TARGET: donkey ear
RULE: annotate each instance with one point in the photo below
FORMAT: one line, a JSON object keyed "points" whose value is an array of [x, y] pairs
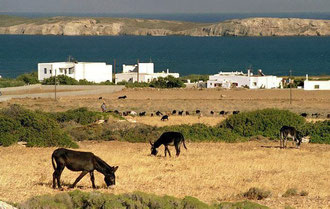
{"points": [[115, 168], [151, 143]]}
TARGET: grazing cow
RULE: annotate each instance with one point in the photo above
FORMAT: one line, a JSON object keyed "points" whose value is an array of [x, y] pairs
{"points": [[236, 112], [151, 114], [122, 97], [133, 113], [100, 98], [222, 112], [116, 112], [181, 112], [173, 112], [289, 132], [86, 162], [187, 113], [212, 112], [158, 113], [304, 114], [142, 114], [198, 111], [165, 117], [316, 115], [168, 138]]}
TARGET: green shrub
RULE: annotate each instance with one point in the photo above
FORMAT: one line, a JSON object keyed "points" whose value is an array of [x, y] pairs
{"points": [[85, 82], [81, 115], [256, 194], [290, 192], [265, 122], [168, 82], [60, 79], [29, 78], [195, 78], [6, 82], [318, 131], [33, 127], [79, 199]]}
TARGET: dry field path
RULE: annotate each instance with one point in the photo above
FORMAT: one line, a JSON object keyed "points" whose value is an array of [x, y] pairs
{"points": [[211, 172], [166, 100]]}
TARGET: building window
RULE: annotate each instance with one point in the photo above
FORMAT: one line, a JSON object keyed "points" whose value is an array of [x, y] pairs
{"points": [[61, 70], [50, 71], [316, 86], [71, 70], [45, 70], [254, 83]]}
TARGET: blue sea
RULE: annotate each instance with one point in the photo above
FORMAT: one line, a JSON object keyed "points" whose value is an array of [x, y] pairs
{"points": [[185, 55]]}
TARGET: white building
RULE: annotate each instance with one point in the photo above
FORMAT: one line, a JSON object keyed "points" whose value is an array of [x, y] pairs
{"points": [[141, 72], [91, 71], [239, 79], [316, 85]]}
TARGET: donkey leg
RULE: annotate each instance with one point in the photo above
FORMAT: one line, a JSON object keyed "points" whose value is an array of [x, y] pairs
{"points": [[92, 179], [79, 178], [168, 150], [54, 179], [59, 171], [165, 151], [177, 149]]}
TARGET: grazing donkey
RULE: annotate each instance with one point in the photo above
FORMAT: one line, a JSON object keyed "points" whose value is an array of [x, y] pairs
{"points": [[86, 162], [168, 138], [289, 132]]}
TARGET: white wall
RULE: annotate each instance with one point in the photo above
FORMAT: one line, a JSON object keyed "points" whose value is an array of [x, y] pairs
{"points": [[129, 68], [95, 72], [311, 85], [146, 68]]}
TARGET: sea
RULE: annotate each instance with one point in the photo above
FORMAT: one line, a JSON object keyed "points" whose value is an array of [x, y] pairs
{"points": [[185, 55]]}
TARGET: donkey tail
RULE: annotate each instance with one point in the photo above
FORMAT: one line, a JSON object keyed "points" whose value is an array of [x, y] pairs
{"points": [[184, 145], [53, 162]]}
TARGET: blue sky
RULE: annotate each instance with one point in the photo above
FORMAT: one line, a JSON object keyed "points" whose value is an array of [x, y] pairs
{"points": [[164, 6]]}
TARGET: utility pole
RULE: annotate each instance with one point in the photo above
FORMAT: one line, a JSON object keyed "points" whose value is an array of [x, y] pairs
{"points": [[290, 79], [114, 69], [138, 71], [55, 84]]}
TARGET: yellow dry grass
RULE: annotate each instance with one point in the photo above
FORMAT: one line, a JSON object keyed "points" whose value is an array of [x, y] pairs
{"points": [[209, 171]]}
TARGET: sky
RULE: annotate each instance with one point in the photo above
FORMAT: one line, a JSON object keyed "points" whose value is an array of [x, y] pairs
{"points": [[163, 6]]}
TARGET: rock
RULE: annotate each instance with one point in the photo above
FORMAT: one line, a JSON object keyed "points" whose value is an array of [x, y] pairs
{"points": [[72, 26]]}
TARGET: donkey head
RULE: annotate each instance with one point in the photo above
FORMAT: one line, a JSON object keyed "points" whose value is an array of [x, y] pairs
{"points": [[110, 178], [153, 149]]}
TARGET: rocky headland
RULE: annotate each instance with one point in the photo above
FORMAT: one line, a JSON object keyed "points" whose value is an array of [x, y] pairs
{"points": [[76, 26]]}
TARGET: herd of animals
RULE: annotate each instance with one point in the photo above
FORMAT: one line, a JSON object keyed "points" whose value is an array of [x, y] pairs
{"points": [[87, 162]]}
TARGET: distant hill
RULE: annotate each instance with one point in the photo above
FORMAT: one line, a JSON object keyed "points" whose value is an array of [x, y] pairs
{"points": [[72, 26]]}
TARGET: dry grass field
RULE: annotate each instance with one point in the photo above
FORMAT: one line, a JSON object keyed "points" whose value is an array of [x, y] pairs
{"points": [[211, 172]]}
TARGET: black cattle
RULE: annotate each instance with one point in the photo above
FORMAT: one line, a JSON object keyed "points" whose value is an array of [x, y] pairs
{"points": [[142, 114], [328, 116], [122, 97], [289, 132], [304, 114], [116, 112], [316, 115], [198, 111], [100, 98], [158, 113], [235, 112], [187, 113], [165, 117], [86, 162], [181, 112], [212, 112], [151, 114], [173, 112], [222, 112], [168, 138]]}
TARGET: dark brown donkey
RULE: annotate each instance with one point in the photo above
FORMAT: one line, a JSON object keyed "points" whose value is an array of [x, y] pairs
{"points": [[86, 162], [168, 138]]}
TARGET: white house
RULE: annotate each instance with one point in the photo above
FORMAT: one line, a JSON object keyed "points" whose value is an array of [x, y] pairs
{"points": [[91, 71], [141, 72], [316, 85], [239, 79]]}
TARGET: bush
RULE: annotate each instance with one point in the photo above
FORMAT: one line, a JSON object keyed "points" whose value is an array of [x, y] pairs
{"points": [[265, 122], [29, 78], [290, 192], [60, 79], [5, 82], [195, 78], [81, 115], [256, 194], [318, 131], [79, 199], [35, 128], [168, 82]]}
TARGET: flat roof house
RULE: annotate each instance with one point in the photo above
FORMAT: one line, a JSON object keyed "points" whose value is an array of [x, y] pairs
{"points": [[316, 85], [91, 71], [141, 72], [239, 79]]}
